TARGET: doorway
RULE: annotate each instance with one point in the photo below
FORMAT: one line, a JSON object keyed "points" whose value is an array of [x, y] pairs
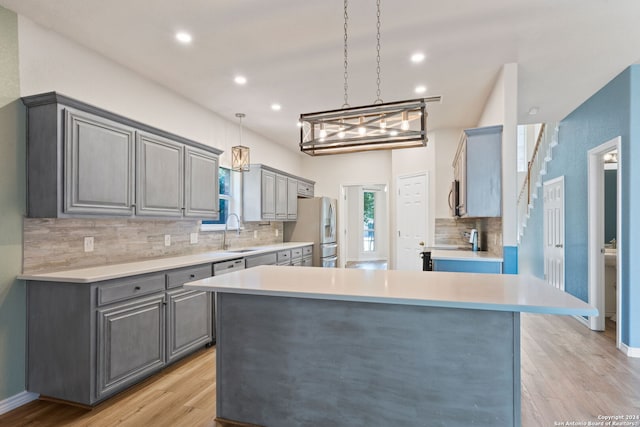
{"points": [[604, 245], [411, 219], [365, 230]]}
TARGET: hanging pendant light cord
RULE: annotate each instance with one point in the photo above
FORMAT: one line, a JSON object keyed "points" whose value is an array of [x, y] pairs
{"points": [[346, 62], [378, 100]]}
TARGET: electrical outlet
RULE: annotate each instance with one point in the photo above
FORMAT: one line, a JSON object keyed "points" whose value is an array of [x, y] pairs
{"points": [[167, 239], [193, 238], [88, 244], [255, 234], [277, 232]]}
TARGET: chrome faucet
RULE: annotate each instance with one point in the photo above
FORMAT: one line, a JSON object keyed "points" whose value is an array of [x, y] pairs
{"points": [[226, 228]]}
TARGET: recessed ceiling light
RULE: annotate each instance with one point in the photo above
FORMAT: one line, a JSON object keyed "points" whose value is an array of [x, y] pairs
{"points": [[276, 107], [183, 37], [240, 80], [533, 111], [420, 89], [299, 124], [417, 57]]}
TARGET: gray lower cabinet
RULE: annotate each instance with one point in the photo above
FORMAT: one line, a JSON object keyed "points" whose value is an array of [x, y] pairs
{"points": [[189, 322], [131, 343], [88, 341]]}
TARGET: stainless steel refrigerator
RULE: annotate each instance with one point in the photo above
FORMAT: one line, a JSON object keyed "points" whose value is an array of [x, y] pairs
{"points": [[316, 223]]}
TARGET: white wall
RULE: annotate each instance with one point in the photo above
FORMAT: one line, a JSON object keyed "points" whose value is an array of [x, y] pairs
{"points": [[332, 172], [502, 109], [51, 62]]}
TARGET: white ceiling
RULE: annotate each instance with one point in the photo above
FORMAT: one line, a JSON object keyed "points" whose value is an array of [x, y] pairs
{"points": [[291, 52]]}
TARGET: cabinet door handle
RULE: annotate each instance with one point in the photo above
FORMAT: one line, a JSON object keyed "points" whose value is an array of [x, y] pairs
{"points": [[192, 276], [137, 288]]}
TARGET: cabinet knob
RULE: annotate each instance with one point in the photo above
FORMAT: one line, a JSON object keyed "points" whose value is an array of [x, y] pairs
{"points": [[192, 276]]}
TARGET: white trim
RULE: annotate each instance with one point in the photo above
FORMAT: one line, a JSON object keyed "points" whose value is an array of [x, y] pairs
{"points": [[13, 402], [595, 191], [629, 351]]}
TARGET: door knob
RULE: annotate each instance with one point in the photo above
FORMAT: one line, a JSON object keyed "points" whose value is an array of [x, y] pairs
{"points": [[558, 246]]}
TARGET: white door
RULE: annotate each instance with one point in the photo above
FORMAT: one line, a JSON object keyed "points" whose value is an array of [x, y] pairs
{"points": [[411, 220], [553, 203]]}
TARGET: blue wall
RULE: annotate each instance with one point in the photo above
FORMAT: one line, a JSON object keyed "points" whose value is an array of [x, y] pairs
{"points": [[613, 111]]}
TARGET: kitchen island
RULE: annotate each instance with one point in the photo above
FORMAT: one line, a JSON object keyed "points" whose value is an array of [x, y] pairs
{"points": [[344, 347]]}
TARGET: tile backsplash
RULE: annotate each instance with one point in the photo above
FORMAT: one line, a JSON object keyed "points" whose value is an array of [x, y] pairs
{"points": [[450, 231], [58, 244]]}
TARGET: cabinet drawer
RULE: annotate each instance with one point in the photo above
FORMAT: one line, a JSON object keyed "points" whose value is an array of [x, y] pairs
{"points": [[296, 253], [307, 250], [178, 277], [130, 288], [264, 259], [284, 256]]}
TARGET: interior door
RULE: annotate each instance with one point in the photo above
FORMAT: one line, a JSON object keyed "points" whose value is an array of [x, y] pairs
{"points": [[411, 220], [553, 203]]}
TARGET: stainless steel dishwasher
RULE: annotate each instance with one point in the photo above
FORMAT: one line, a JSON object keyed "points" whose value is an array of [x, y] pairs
{"points": [[219, 268]]}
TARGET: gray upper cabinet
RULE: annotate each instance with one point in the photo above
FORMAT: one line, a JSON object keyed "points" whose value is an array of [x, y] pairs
{"points": [[268, 195], [99, 163], [292, 199], [160, 176], [305, 188], [200, 184], [271, 195], [478, 168], [281, 197], [82, 160]]}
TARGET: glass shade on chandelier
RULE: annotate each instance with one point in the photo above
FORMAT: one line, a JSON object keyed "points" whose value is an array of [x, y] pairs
{"points": [[373, 127]]}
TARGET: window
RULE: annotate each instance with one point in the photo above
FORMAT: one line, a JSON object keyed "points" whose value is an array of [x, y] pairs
{"points": [[369, 227], [229, 199], [522, 148]]}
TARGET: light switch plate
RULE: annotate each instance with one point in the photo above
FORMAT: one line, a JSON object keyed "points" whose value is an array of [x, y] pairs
{"points": [[255, 234], [193, 238], [277, 232], [88, 244], [167, 239]]}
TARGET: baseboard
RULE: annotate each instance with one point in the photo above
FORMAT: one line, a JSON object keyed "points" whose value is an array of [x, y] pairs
{"points": [[582, 320], [629, 351], [13, 402]]}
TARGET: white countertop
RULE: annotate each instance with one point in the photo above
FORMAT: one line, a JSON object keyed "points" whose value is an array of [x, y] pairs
{"points": [[439, 289], [115, 271], [453, 255]]}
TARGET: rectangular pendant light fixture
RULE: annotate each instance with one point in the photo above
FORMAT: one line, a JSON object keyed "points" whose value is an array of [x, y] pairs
{"points": [[381, 126]]}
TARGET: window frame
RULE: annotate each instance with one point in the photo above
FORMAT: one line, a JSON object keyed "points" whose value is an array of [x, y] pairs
{"points": [[235, 202]]}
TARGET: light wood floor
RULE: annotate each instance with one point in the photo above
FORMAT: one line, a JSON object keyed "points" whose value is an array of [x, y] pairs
{"points": [[569, 373]]}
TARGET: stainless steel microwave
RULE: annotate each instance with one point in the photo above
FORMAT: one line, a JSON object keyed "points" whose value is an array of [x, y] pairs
{"points": [[454, 198]]}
